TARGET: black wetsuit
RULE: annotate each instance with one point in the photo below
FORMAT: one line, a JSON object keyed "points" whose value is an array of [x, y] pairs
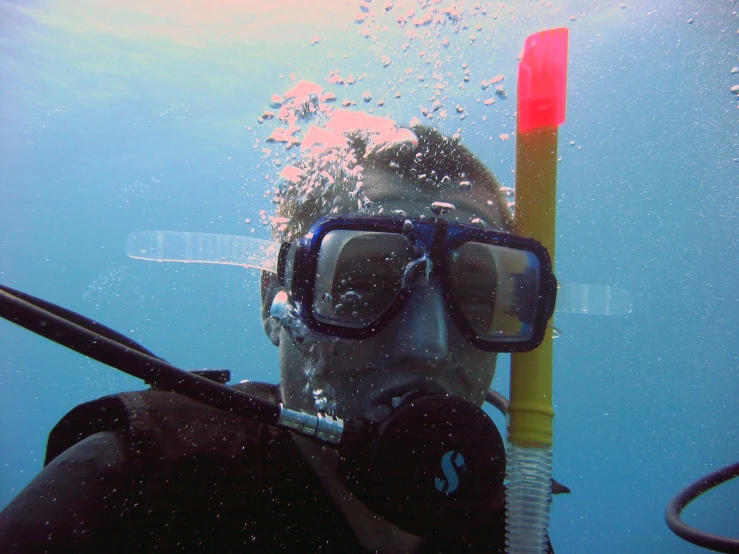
{"points": [[154, 471]]}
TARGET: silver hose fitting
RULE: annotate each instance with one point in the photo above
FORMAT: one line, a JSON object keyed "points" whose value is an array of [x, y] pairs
{"points": [[325, 428]]}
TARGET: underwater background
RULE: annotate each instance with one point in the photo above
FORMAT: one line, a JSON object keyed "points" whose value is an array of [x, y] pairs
{"points": [[125, 116]]}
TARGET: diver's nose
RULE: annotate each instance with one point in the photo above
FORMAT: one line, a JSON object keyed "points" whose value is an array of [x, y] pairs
{"points": [[423, 335]]}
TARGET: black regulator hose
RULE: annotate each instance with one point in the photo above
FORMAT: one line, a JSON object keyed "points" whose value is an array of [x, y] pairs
{"points": [[101, 343], [13, 314], [690, 493]]}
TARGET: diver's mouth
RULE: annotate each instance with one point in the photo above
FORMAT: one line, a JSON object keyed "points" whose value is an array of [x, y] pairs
{"points": [[395, 396]]}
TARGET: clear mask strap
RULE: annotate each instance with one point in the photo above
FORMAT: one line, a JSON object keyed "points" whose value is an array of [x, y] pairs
{"points": [[575, 298], [203, 248], [210, 248]]}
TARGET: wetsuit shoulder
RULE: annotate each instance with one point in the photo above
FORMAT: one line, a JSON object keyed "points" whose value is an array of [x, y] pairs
{"points": [[149, 461], [164, 420], [76, 495]]}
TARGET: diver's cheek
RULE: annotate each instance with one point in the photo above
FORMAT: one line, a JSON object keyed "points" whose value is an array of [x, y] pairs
{"points": [[475, 375], [359, 356]]}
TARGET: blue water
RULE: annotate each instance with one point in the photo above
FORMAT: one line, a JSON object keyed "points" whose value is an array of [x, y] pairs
{"points": [[119, 119]]}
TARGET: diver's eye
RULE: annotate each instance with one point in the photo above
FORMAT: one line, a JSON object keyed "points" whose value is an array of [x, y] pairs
{"points": [[477, 303], [474, 283]]}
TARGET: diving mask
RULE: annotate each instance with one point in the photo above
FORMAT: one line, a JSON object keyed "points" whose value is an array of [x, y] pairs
{"points": [[350, 276]]}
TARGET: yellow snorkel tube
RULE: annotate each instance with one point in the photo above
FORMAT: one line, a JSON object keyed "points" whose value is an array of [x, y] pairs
{"points": [[542, 79]]}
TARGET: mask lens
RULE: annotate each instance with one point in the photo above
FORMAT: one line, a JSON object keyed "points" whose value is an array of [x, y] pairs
{"points": [[496, 289], [359, 276]]}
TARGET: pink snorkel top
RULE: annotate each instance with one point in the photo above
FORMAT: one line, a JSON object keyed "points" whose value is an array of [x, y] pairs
{"points": [[542, 80]]}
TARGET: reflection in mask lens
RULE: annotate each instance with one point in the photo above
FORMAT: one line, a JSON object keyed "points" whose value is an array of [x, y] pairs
{"points": [[496, 289], [359, 276]]}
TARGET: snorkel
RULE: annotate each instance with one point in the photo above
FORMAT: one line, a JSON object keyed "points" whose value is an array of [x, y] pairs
{"points": [[542, 80]]}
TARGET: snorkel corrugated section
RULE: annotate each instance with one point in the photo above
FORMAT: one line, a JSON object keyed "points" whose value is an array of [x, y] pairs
{"points": [[542, 78]]}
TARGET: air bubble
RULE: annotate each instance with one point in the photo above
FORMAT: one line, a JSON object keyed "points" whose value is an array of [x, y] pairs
{"points": [[351, 298], [440, 208]]}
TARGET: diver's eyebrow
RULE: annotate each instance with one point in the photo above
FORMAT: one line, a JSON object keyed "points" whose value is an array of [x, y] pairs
{"points": [[371, 248], [472, 264]]}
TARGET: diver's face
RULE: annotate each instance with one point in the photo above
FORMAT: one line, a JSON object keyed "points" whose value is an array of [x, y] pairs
{"points": [[421, 349]]}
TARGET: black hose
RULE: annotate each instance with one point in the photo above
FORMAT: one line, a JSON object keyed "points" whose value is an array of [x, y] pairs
{"points": [[690, 493], [76, 318], [108, 347], [497, 400]]}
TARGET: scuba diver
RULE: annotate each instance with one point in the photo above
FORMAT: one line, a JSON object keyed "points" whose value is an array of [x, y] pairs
{"points": [[395, 289]]}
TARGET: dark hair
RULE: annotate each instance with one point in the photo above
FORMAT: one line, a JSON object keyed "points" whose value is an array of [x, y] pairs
{"points": [[333, 185]]}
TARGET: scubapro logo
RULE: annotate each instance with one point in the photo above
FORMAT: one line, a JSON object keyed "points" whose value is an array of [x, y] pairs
{"points": [[450, 463]]}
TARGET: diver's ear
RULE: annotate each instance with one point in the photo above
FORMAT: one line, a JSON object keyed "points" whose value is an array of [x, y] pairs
{"points": [[270, 286]]}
